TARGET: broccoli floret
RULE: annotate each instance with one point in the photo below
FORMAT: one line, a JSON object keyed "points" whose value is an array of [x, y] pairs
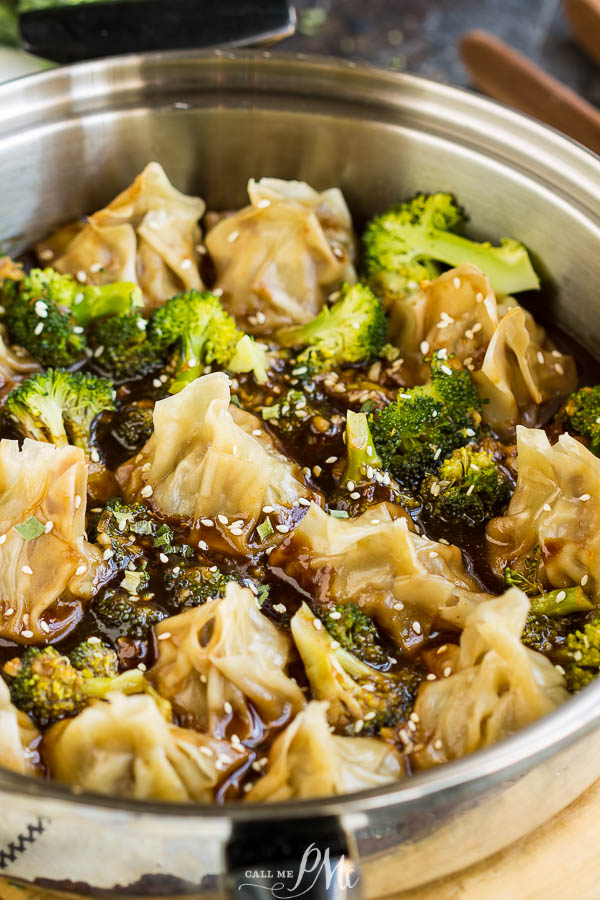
{"points": [[250, 356], [291, 413], [350, 331], [47, 311], [549, 621], [198, 331], [582, 658], [133, 425], [415, 433], [356, 632], [46, 686], [94, 659], [195, 585], [582, 412], [361, 698], [523, 574], [122, 348], [404, 245], [130, 617], [59, 407], [121, 529], [468, 490], [9, 28], [364, 483]]}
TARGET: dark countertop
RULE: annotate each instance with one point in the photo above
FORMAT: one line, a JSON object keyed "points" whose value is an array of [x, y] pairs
{"points": [[421, 36]]}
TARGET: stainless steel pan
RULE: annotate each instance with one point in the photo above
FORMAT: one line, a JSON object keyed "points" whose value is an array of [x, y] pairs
{"points": [[69, 140]]}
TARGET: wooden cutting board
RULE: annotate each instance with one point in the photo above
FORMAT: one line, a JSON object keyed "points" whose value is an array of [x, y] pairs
{"points": [[559, 861]]}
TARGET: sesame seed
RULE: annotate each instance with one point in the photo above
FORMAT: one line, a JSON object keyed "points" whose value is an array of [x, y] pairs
{"points": [[48, 526], [375, 521], [156, 382], [46, 254], [147, 491], [331, 460], [416, 627], [163, 558], [280, 608], [303, 501], [186, 264], [95, 456], [317, 471], [585, 497], [9, 612], [231, 238], [27, 634], [38, 328], [236, 532], [164, 636], [317, 624], [584, 580], [335, 645], [81, 277], [355, 495], [424, 347], [77, 501], [218, 292], [228, 707], [27, 570], [561, 596], [268, 509], [108, 554], [81, 570], [335, 615], [443, 540], [431, 677], [559, 369], [350, 485], [257, 432], [470, 489], [208, 523], [223, 519], [447, 672], [203, 545], [540, 358], [398, 605], [437, 745], [262, 204], [282, 529], [546, 507], [456, 283], [358, 726], [447, 370], [433, 554]]}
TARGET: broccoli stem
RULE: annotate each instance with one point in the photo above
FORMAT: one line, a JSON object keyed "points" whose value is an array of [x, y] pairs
{"points": [[96, 301], [508, 266], [561, 602], [360, 448]]}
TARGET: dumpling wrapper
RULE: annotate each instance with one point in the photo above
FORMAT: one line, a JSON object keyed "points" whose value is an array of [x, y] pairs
{"points": [[49, 483], [281, 256], [396, 576], [307, 760], [200, 462], [222, 656], [498, 686], [556, 506], [147, 235], [124, 747], [17, 733]]}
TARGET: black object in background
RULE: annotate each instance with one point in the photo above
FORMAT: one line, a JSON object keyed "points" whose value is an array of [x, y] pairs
{"points": [[69, 33]]}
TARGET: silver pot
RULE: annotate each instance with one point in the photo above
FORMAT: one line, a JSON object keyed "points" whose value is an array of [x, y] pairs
{"points": [[69, 140]]}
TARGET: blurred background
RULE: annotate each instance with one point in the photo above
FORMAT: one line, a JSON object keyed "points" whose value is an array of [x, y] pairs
{"points": [[422, 36], [419, 36]]}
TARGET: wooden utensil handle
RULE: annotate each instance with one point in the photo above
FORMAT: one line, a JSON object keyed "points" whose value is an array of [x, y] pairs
{"points": [[584, 18], [510, 77]]}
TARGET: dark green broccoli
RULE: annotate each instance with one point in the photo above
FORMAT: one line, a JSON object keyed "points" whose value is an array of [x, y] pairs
{"points": [[94, 659], [582, 412], [122, 347], [350, 331], [195, 585], [46, 313], [468, 490], [9, 28], [362, 700], [45, 685], [133, 425], [197, 331], [550, 618], [582, 655], [120, 531], [356, 632], [59, 407], [364, 483], [132, 617], [415, 433], [526, 576], [403, 247]]}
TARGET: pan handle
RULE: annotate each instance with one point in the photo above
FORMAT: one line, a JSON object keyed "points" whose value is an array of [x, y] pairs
{"points": [[265, 861]]}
